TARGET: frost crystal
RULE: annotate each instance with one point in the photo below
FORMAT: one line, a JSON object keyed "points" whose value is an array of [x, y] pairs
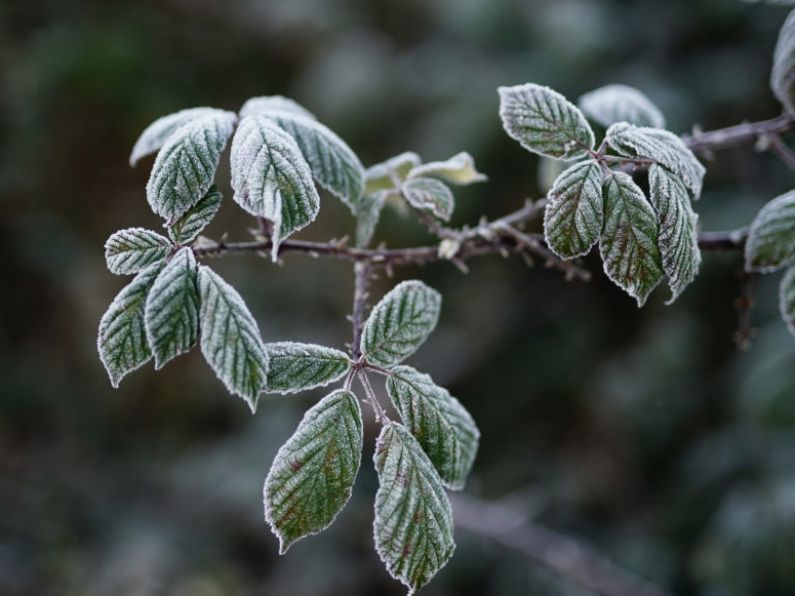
{"points": [[678, 241], [157, 133], [268, 103], [439, 422], [573, 215], [621, 103], [172, 309], [230, 338], [132, 250], [413, 526], [660, 146], [629, 240], [195, 219], [298, 367], [271, 178], [771, 239], [333, 163], [544, 122], [786, 300], [782, 77], [122, 341], [459, 169], [400, 323], [313, 473], [429, 194], [185, 166]]}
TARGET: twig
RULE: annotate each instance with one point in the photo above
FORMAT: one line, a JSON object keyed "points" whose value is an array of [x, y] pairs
{"points": [[361, 271], [781, 149], [566, 556], [731, 136]]}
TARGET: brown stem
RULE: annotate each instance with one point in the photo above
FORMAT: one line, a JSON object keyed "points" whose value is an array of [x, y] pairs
{"points": [[362, 272], [739, 134]]}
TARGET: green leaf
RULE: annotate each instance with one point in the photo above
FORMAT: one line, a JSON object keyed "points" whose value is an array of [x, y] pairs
{"points": [[429, 194], [313, 473], [333, 163], [156, 134], [134, 249], [660, 146], [413, 524], [389, 174], [298, 367], [121, 341], [230, 339], [621, 103], [459, 169], [440, 423], [271, 178], [573, 216], [786, 300], [400, 323], [186, 164], [195, 219], [771, 238], [678, 240], [629, 240], [172, 309], [268, 103], [368, 213], [782, 77], [544, 122]]}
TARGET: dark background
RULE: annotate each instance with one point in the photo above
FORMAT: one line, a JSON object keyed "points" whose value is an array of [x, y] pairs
{"points": [[642, 432]]}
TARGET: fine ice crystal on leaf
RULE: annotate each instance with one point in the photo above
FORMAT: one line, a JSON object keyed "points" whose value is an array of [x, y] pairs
{"points": [[195, 219], [621, 103], [786, 299], [121, 341], [439, 422], [400, 323], [429, 194], [230, 339], [156, 134], [185, 166], [312, 475], [268, 103], [298, 367], [629, 240], [271, 178], [678, 240], [172, 309], [134, 249], [771, 238], [573, 215], [544, 122], [413, 526]]}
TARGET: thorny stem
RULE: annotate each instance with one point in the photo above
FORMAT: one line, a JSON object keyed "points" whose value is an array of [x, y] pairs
{"points": [[362, 272]]}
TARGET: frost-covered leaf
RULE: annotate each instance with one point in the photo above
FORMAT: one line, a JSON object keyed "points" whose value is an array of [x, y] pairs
{"points": [[230, 339], [574, 215], [660, 146], [368, 213], [629, 239], [268, 103], [621, 103], [185, 166], [786, 300], [678, 240], [134, 249], [400, 323], [429, 194], [122, 341], [413, 524], [389, 174], [782, 77], [313, 473], [771, 239], [156, 134], [271, 178], [195, 219], [440, 423], [298, 367], [459, 169], [172, 309], [544, 122], [333, 163]]}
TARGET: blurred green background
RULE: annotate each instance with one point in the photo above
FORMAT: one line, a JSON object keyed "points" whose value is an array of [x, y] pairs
{"points": [[642, 432]]}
